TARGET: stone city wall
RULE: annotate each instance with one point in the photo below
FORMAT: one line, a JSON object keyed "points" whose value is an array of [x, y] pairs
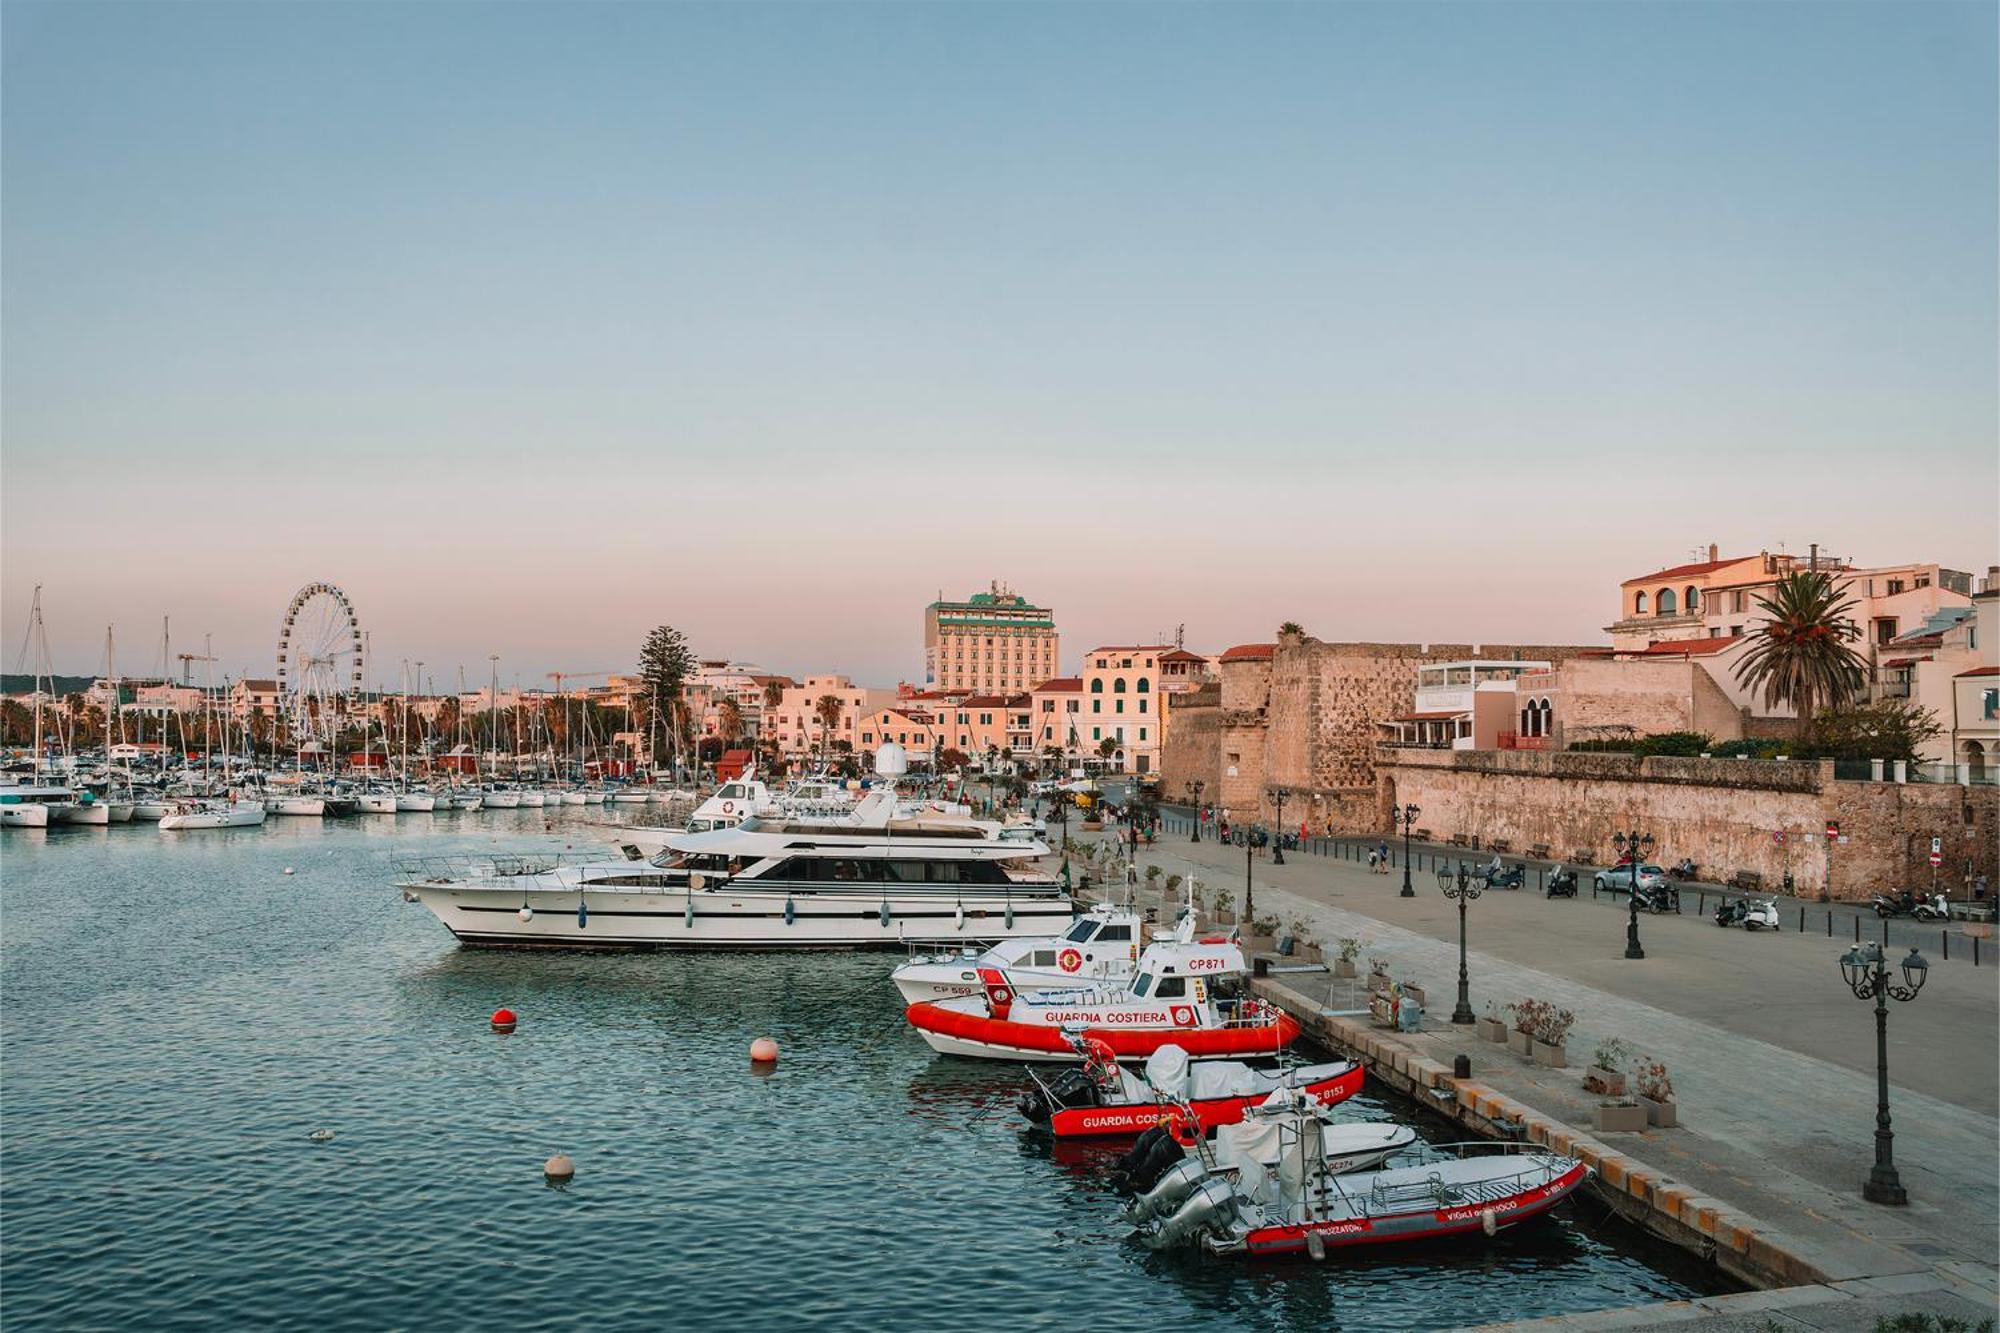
{"points": [[1726, 814]]}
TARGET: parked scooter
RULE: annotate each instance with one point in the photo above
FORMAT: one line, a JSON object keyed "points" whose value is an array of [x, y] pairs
{"points": [[1562, 882], [1498, 876], [1749, 913], [1687, 869], [1658, 898], [1925, 907]]}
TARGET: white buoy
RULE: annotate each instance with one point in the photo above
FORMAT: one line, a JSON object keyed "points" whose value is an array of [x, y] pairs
{"points": [[289, 870], [526, 913], [559, 1167], [321, 1136]]}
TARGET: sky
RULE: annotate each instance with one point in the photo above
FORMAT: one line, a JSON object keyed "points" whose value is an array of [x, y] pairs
{"points": [[534, 326]]}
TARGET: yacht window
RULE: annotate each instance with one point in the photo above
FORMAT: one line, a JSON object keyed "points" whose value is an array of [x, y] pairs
{"points": [[732, 792], [1043, 958], [1139, 986], [1115, 933], [1171, 988], [1080, 932]]}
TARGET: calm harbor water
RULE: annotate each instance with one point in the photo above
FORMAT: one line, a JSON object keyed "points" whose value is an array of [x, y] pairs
{"points": [[180, 1017]]}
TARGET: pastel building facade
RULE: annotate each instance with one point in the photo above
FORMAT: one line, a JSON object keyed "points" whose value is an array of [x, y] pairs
{"points": [[993, 642], [1122, 705]]}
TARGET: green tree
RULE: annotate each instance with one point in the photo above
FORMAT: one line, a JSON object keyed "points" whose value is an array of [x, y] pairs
{"points": [[1800, 656], [1890, 730], [827, 710], [1291, 627], [729, 721], [665, 663]]}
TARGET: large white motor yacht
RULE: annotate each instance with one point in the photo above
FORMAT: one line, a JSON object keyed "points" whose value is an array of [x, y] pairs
{"points": [[872, 876]]}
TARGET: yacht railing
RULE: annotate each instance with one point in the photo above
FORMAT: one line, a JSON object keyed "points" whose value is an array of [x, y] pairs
{"points": [[516, 865]]}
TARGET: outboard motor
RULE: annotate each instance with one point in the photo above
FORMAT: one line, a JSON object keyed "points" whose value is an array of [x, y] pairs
{"points": [[1072, 1087], [1158, 1160], [1169, 1190], [1211, 1206], [1137, 1152]]}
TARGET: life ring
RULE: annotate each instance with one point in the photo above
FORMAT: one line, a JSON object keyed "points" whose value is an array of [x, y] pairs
{"points": [[729, 807], [1069, 960], [1182, 1015]]}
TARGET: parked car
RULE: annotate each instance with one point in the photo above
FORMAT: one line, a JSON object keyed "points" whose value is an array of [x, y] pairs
{"points": [[1618, 879]]}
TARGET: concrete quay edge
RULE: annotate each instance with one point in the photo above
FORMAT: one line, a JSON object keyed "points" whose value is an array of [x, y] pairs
{"points": [[1740, 1245]]}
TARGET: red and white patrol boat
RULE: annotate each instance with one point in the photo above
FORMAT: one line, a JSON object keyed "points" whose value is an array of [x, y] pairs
{"points": [[1102, 945], [1171, 999], [1105, 1099]]}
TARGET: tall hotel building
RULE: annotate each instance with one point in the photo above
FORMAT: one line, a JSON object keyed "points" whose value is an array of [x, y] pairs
{"points": [[992, 642]]}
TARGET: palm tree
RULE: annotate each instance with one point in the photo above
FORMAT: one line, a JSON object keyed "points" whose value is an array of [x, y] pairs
{"points": [[1291, 627], [827, 710], [729, 721], [1800, 656]]}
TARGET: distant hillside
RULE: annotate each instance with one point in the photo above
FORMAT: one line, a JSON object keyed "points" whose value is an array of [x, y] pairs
{"points": [[13, 684]]}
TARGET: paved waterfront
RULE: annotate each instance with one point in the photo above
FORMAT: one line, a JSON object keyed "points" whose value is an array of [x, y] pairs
{"points": [[1772, 1057]]}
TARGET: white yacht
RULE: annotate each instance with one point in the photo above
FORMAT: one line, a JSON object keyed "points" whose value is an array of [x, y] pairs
{"points": [[31, 805], [735, 801], [214, 814], [872, 876]]}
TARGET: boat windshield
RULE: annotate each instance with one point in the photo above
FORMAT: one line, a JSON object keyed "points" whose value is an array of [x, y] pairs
{"points": [[1080, 932], [1141, 983]]}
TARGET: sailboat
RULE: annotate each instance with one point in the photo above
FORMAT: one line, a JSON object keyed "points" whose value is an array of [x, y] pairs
{"points": [[207, 814]]}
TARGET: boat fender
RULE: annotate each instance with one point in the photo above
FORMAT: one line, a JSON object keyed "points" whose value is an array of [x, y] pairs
{"points": [[1488, 1223], [1010, 916], [885, 911], [958, 919], [690, 911], [791, 910], [582, 914], [526, 913], [1316, 1246]]}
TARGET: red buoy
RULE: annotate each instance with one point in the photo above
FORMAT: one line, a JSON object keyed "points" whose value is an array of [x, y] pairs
{"points": [[503, 1019]]}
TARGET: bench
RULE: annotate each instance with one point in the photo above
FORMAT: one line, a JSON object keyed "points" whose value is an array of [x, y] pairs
{"points": [[1423, 835], [1539, 851], [1499, 845], [1457, 839], [1747, 880], [1583, 856]]}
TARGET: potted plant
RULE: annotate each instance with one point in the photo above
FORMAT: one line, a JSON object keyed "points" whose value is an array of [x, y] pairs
{"points": [[1490, 1026], [1223, 903], [1618, 1117], [1263, 935], [1378, 974], [1656, 1092], [1153, 874], [1348, 949], [1551, 1032], [1606, 1075], [1521, 1036]]}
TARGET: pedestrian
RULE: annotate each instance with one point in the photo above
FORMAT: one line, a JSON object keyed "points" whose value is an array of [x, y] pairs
{"points": [[1385, 856], [1371, 860], [1979, 888]]}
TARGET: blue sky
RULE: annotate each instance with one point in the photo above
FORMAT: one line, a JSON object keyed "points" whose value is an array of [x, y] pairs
{"points": [[535, 325]]}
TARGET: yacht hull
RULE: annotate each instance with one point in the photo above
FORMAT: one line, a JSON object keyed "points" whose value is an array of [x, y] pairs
{"points": [[739, 919], [235, 817], [296, 805], [416, 802], [376, 804], [25, 815], [95, 813]]}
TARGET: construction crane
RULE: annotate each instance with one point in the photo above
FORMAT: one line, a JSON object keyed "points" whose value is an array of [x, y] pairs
{"points": [[560, 676], [187, 661]]}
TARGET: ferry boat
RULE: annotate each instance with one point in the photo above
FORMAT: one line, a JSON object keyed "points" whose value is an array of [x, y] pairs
{"points": [[1171, 999], [874, 877], [1102, 945], [1263, 1187]]}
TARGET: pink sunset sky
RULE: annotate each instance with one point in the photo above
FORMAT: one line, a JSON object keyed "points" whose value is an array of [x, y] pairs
{"points": [[1421, 323]]}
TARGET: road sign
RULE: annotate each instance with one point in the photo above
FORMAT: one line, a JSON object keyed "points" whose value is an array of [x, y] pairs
{"points": [[1778, 836], [1937, 859], [1843, 840], [1937, 845], [1832, 829]]}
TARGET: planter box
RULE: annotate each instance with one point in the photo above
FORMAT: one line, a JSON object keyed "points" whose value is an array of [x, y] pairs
{"points": [[1414, 991], [1618, 1118], [1259, 943], [1088, 827], [1383, 1010], [1378, 982], [1490, 1029], [1604, 1082], [1344, 967], [1662, 1115], [1225, 918], [1310, 953], [1520, 1043], [1551, 1057]]}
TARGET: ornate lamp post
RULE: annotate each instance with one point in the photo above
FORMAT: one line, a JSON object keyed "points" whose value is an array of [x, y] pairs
{"points": [[1278, 836], [1638, 844], [1867, 976], [1462, 888], [1196, 786], [1407, 817]]}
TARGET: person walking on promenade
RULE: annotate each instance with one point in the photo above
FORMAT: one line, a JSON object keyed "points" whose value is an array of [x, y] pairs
{"points": [[1384, 849]]}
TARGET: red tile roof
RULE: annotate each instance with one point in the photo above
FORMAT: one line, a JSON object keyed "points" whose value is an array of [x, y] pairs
{"points": [[1982, 671], [1705, 567], [1181, 655], [1689, 647], [1061, 684], [1250, 652]]}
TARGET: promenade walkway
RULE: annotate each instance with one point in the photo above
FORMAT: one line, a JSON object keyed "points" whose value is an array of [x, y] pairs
{"points": [[1772, 1057]]}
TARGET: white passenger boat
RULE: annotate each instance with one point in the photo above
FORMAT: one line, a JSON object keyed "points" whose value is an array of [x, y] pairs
{"points": [[214, 814], [871, 877], [1102, 945]]}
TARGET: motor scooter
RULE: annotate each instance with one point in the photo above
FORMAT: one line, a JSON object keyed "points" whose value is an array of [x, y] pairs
{"points": [[1924, 907], [1498, 876], [1658, 898], [1749, 913], [1562, 882]]}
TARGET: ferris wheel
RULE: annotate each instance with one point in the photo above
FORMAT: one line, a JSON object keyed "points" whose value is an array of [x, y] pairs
{"points": [[321, 656]]}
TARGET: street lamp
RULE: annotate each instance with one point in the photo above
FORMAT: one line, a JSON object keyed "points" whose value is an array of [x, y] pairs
{"points": [[1462, 888], [1407, 817], [1278, 839], [1197, 786], [1867, 975], [1638, 845]]}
